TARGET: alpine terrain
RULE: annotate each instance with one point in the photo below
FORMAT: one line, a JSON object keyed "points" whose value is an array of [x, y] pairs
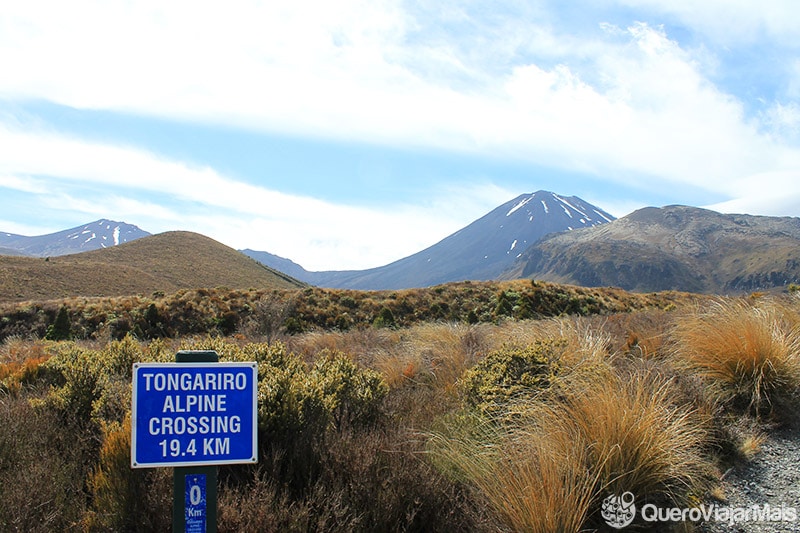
{"points": [[480, 251], [92, 236], [671, 248]]}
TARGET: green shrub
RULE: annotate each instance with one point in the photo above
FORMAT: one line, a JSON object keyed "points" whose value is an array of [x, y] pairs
{"points": [[61, 328], [152, 324], [294, 397], [121, 496], [505, 303], [348, 301], [76, 387], [89, 386], [288, 400], [299, 404], [385, 318], [351, 395], [512, 373]]}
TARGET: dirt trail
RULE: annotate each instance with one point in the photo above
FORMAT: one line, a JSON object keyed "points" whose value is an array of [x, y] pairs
{"points": [[772, 477]]}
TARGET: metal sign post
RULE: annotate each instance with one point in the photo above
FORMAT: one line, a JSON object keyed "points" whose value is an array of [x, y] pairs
{"points": [[194, 415]]}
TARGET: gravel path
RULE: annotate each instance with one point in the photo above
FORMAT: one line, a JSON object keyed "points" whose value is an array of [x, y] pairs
{"points": [[771, 477]]}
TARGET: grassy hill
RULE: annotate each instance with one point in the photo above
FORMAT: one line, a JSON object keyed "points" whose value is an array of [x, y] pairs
{"points": [[165, 262]]}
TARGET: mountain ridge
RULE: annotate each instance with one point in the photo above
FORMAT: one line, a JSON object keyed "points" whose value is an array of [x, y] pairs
{"points": [[99, 234], [542, 235], [671, 248], [479, 251]]}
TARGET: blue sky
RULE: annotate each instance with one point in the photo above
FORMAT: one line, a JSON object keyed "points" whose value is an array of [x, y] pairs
{"points": [[349, 134]]}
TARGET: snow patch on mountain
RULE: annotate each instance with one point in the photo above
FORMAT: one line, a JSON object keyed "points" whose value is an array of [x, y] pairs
{"points": [[93, 236], [519, 205]]}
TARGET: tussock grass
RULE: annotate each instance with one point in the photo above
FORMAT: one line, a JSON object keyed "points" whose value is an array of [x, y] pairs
{"points": [[15, 349], [434, 353], [530, 482], [638, 439], [364, 345], [445, 350], [751, 445], [581, 337], [549, 465], [748, 353]]}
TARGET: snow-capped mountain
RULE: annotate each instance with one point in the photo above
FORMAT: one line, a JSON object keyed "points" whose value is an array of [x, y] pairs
{"points": [[92, 236], [479, 251]]}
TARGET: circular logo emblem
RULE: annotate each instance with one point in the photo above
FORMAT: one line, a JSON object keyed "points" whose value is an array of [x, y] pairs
{"points": [[618, 511]]}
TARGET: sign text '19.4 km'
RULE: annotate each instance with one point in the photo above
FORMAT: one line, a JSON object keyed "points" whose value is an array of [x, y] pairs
{"points": [[186, 414]]}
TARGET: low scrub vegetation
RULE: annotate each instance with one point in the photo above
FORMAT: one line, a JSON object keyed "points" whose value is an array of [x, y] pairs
{"points": [[274, 312], [524, 419]]}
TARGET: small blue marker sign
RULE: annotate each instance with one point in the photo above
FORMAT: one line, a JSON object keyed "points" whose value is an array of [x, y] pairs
{"points": [[193, 414], [196, 505]]}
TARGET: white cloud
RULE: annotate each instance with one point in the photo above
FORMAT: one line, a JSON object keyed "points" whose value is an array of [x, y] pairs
{"points": [[628, 104], [784, 120], [28, 185], [161, 195], [769, 193], [357, 70], [636, 103], [18, 228], [732, 21], [793, 86]]}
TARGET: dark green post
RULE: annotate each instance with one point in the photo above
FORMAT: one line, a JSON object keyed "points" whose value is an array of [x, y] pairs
{"points": [[184, 476]]}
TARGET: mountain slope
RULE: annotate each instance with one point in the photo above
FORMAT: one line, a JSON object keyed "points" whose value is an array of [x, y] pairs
{"points": [[281, 264], [479, 251], [164, 262], [92, 236], [671, 248]]}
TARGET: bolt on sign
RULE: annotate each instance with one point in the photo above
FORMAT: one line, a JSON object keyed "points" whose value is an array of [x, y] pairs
{"points": [[193, 414]]}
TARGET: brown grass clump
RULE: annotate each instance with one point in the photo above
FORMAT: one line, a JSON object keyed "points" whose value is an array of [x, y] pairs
{"points": [[748, 352], [14, 375], [638, 439], [751, 445], [433, 353], [15, 349], [548, 468], [529, 482], [444, 350], [261, 507]]}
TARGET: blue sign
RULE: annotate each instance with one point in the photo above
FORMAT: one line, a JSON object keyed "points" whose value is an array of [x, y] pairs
{"points": [[193, 414], [196, 505]]}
